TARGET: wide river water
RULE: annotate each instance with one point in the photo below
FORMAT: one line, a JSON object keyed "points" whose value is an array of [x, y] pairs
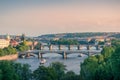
{"points": [[72, 62]]}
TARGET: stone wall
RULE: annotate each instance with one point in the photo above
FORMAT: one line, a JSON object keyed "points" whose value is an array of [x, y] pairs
{"points": [[9, 57]]}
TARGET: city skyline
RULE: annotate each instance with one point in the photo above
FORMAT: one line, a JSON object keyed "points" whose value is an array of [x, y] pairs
{"points": [[37, 17]]}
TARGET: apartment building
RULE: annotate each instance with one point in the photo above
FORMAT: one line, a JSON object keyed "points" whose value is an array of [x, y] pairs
{"points": [[4, 43]]}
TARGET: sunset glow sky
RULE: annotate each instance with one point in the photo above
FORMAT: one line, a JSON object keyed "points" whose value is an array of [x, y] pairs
{"points": [[36, 17]]}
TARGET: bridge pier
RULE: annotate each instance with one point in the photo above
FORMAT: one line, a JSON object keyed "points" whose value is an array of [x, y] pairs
{"points": [[97, 47], [50, 47], [60, 47], [40, 56], [88, 47], [31, 47], [64, 55], [69, 47], [41, 47], [88, 54], [27, 55], [78, 47]]}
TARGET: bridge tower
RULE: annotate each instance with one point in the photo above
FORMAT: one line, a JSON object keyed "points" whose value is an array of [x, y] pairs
{"points": [[64, 55]]}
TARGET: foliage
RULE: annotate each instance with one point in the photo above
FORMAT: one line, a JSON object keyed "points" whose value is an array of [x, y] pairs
{"points": [[23, 71], [14, 71], [115, 64], [8, 51], [88, 68], [44, 73], [115, 43], [116, 35], [105, 66], [70, 75], [59, 69], [64, 42], [37, 46], [101, 43], [107, 52], [22, 47], [104, 72], [8, 72], [73, 35]]}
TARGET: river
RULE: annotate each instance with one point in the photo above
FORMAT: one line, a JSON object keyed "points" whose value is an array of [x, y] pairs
{"points": [[72, 62]]}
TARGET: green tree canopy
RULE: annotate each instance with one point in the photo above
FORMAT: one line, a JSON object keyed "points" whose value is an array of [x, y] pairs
{"points": [[44, 73]]}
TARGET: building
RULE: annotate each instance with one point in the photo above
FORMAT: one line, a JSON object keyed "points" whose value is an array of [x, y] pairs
{"points": [[4, 43], [13, 43], [100, 39]]}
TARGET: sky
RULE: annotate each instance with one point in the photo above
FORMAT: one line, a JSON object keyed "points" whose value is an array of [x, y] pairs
{"points": [[38, 17]]}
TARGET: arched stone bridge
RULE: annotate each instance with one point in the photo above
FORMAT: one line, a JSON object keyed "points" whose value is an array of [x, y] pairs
{"points": [[64, 53], [69, 47]]}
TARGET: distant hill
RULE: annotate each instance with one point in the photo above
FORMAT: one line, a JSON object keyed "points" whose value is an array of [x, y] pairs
{"points": [[82, 35], [115, 35]]}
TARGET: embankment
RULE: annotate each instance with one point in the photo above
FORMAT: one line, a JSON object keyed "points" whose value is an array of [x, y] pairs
{"points": [[9, 57]]}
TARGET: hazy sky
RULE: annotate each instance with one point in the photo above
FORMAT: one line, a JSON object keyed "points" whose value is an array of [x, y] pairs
{"points": [[36, 17]]}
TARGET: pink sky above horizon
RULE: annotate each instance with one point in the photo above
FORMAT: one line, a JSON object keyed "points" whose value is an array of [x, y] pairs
{"points": [[36, 20]]}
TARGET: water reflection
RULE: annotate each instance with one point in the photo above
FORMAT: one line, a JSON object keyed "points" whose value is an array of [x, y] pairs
{"points": [[72, 62]]}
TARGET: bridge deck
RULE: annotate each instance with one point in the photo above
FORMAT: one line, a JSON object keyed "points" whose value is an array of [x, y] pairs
{"points": [[66, 51]]}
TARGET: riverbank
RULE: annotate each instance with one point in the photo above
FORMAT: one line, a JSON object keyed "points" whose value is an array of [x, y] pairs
{"points": [[9, 57]]}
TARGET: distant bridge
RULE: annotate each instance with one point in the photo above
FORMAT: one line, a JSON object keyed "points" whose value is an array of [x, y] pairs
{"points": [[60, 50], [69, 47]]}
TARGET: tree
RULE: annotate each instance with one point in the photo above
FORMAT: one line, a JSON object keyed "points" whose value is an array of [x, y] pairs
{"points": [[101, 43], [8, 51], [1, 74], [23, 71], [104, 72], [22, 47], [107, 52], [14, 71], [1, 52], [70, 75], [59, 69], [100, 58], [38, 46], [115, 63], [88, 68], [64, 42], [8, 72], [44, 73]]}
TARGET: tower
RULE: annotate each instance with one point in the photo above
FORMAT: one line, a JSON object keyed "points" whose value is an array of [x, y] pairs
{"points": [[23, 37], [7, 37]]}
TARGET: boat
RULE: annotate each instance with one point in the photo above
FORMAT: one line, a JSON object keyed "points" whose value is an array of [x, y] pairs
{"points": [[80, 55], [42, 61]]}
